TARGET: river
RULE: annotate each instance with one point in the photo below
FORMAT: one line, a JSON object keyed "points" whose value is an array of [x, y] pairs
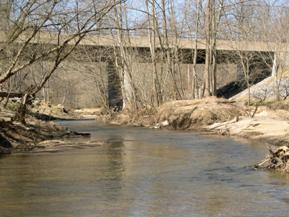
{"points": [[142, 173]]}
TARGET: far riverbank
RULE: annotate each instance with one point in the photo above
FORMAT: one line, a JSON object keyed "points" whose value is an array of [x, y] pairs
{"points": [[213, 116]]}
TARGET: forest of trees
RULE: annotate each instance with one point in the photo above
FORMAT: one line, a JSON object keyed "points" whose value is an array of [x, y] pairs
{"points": [[27, 66]]}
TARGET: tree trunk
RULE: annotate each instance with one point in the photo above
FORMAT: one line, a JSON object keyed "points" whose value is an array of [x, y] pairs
{"points": [[208, 30], [22, 110]]}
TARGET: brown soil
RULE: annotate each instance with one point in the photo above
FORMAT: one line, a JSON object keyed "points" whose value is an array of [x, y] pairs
{"points": [[188, 114], [15, 136], [181, 114]]}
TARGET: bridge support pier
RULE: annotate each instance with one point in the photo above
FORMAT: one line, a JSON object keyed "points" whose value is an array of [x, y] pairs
{"points": [[115, 99]]}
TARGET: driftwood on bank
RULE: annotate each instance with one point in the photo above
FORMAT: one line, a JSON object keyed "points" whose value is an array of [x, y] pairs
{"points": [[277, 159]]}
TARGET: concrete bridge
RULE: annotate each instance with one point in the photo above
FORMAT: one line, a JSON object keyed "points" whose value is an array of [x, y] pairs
{"points": [[97, 43], [143, 42]]}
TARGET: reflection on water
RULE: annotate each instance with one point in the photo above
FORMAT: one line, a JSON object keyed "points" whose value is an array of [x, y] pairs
{"points": [[141, 172]]}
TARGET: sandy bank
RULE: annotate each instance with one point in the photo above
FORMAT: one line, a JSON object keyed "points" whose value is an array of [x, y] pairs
{"points": [[267, 125]]}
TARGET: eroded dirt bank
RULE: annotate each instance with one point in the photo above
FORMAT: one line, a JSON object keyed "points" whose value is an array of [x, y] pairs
{"points": [[32, 136], [196, 114]]}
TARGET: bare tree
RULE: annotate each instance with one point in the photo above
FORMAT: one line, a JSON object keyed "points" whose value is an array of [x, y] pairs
{"points": [[42, 30]]}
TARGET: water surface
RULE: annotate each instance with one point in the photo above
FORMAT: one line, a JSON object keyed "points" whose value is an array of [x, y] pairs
{"points": [[140, 173]]}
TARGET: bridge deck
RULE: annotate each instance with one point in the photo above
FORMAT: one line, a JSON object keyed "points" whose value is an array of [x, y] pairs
{"points": [[143, 42]]}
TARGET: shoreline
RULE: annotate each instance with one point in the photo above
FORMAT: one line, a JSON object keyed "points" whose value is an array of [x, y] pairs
{"points": [[208, 117], [51, 137], [55, 132], [201, 131], [223, 118]]}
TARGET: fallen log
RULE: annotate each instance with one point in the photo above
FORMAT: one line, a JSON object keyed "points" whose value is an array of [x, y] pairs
{"points": [[277, 159]]}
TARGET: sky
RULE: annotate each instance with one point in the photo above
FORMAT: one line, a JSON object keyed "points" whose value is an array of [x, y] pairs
{"points": [[179, 4]]}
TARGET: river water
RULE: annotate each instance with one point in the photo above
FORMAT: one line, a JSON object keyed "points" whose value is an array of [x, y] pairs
{"points": [[142, 173]]}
